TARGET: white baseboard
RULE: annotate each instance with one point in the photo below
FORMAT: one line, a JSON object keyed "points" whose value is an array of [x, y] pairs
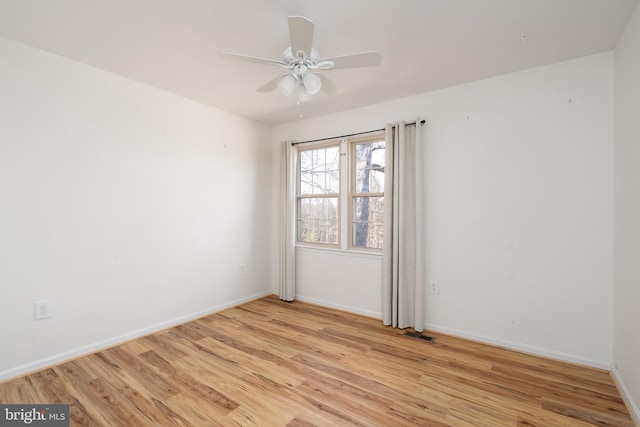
{"points": [[101, 345], [626, 396], [519, 347]]}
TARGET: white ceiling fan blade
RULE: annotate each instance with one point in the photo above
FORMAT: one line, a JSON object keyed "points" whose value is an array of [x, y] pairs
{"points": [[301, 35], [324, 65], [249, 58], [329, 87], [364, 59], [270, 85]]}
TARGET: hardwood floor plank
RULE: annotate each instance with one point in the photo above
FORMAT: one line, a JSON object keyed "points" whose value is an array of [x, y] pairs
{"points": [[196, 410], [162, 345], [298, 337], [300, 422], [590, 415], [100, 366], [271, 363], [419, 414], [246, 385], [332, 394], [549, 419], [144, 374], [477, 417], [53, 387], [190, 385]]}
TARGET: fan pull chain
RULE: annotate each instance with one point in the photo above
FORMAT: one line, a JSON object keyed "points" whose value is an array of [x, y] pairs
{"points": [[299, 97]]}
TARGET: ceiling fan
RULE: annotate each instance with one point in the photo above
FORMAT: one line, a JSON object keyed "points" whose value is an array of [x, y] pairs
{"points": [[303, 63]]}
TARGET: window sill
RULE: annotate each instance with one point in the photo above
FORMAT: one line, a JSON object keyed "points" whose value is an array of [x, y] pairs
{"points": [[339, 251]]}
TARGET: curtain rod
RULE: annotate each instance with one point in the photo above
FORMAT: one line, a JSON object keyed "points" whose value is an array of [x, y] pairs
{"points": [[353, 134]]}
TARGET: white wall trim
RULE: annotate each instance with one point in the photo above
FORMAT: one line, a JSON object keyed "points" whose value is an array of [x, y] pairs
{"points": [[347, 308], [626, 396], [518, 347], [101, 345]]}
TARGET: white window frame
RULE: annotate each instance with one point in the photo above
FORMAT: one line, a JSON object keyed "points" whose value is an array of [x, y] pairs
{"points": [[352, 195], [337, 196], [345, 196]]}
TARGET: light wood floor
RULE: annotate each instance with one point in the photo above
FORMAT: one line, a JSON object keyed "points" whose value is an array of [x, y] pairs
{"points": [[271, 363]]}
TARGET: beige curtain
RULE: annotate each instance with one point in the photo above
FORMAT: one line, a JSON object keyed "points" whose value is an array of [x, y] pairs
{"points": [[403, 253], [287, 230]]}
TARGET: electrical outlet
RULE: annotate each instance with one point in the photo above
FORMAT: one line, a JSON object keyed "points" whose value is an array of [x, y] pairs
{"points": [[434, 287], [44, 310]]}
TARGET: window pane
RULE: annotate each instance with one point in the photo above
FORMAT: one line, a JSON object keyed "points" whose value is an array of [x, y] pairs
{"points": [[320, 171], [369, 164], [368, 220], [318, 220]]}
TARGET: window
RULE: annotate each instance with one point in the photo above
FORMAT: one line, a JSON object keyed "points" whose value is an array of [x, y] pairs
{"points": [[367, 193], [318, 195], [336, 212]]}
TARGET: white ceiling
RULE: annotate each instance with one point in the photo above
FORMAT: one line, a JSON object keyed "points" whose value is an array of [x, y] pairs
{"points": [[426, 44]]}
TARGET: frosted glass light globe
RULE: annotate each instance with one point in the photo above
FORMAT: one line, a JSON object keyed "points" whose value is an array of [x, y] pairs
{"points": [[312, 83], [287, 84]]}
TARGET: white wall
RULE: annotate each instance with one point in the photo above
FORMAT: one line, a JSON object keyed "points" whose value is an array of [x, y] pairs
{"points": [[519, 172], [128, 207], [626, 288], [322, 277]]}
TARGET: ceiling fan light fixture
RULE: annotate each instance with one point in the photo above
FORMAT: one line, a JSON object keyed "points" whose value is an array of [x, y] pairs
{"points": [[304, 65], [287, 56], [312, 83], [304, 95], [287, 84]]}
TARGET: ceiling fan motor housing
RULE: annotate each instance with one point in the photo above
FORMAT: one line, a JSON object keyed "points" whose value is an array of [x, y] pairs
{"points": [[300, 58]]}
